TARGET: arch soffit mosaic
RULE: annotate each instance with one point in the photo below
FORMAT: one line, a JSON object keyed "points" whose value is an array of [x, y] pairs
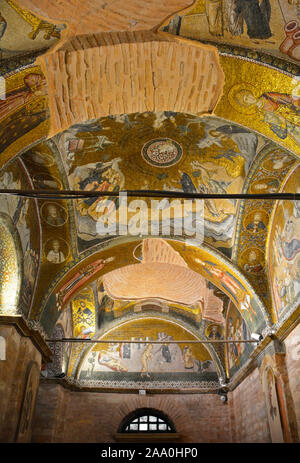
{"points": [[119, 253]]}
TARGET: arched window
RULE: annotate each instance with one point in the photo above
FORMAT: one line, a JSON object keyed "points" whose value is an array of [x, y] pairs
{"points": [[147, 420]]}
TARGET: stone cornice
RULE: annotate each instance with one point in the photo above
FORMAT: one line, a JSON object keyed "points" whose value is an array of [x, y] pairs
{"points": [[81, 386], [30, 330]]}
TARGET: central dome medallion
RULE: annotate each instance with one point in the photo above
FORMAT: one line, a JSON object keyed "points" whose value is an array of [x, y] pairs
{"points": [[162, 152]]}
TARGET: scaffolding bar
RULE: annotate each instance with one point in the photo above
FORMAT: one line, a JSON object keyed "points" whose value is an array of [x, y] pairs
{"points": [[129, 341]]}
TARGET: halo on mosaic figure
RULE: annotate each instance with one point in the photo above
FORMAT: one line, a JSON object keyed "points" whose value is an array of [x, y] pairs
{"points": [[236, 96]]}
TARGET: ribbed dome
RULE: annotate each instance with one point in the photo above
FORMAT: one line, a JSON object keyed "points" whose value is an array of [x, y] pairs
{"points": [[173, 283], [158, 250]]}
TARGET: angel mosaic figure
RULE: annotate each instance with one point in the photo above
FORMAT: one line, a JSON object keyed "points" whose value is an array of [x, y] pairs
{"points": [[98, 177]]}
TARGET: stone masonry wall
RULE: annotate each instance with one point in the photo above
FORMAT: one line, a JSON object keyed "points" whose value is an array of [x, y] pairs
{"points": [[20, 353], [67, 416], [249, 412]]}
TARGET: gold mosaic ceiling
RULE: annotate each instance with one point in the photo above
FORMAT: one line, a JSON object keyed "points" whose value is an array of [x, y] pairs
{"points": [[223, 96]]}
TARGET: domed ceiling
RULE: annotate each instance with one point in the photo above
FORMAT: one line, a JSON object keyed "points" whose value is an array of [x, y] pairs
{"points": [[164, 96]]}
